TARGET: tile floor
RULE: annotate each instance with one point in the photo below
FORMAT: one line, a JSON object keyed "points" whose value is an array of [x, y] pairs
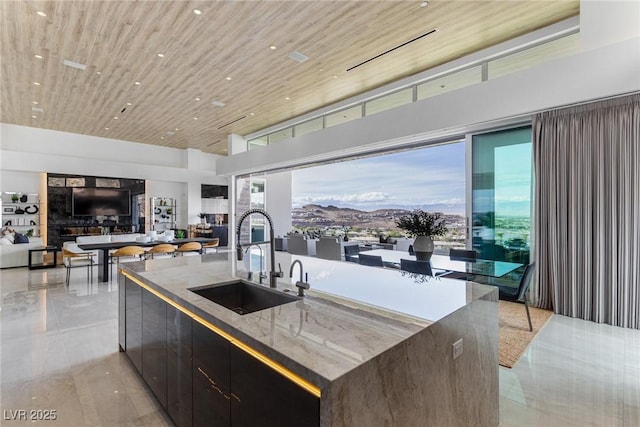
{"points": [[58, 351]]}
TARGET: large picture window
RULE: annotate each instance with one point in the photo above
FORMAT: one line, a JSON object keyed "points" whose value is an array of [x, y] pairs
{"points": [[361, 199]]}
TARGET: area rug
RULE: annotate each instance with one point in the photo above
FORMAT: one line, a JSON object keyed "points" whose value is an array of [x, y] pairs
{"points": [[514, 330]]}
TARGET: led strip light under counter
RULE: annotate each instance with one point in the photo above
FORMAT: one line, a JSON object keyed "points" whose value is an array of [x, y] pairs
{"points": [[311, 388]]}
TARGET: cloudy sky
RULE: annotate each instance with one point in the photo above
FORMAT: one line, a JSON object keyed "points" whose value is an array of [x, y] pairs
{"points": [[429, 178]]}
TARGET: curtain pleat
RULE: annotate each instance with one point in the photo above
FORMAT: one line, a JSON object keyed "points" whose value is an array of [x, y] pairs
{"points": [[587, 201]]}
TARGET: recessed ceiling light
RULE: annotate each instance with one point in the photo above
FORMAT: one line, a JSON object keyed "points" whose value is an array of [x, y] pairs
{"points": [[36, 83], [287, 98], [41, 13], [197, 99], [35, 102], [273, 47], [335, 76], [161, 55], [195, 118], [38, 56], [320, 69], [177, 129], [35, 117], [128, 103], [424, 4], [98, 73], [252, 114], [228, 78], [106, 128], [37, 109], [218, 103], [162, 137], [197, 11], [137, 83], [115, 117]]}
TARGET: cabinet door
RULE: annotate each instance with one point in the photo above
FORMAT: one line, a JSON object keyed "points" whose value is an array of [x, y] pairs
{"points": [[179, 368], [133, 323], [154, 345], [210, 378], [263, 397]]}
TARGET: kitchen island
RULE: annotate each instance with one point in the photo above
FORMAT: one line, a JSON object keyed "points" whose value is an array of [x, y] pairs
{"points": [[365, 346]]}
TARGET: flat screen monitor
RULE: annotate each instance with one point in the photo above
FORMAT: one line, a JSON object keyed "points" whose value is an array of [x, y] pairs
{"points": [[101, 201]]}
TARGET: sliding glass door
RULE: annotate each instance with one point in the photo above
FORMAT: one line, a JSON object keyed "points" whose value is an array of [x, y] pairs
{"points": [[501, 194]]}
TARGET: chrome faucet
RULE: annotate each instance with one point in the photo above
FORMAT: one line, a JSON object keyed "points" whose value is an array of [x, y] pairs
{"points": [[299, 284], [261, 276], [273, 275]]}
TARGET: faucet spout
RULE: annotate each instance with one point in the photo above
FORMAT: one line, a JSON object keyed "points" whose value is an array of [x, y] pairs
{"points": [[273, 276], [300, 284]]}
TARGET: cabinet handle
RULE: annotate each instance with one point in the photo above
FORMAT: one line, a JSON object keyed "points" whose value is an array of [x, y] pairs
{"points": [[213, 383]]}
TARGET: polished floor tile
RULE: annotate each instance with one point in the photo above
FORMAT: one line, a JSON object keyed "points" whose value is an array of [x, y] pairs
{"points": [[59, 351], [574, 373]]}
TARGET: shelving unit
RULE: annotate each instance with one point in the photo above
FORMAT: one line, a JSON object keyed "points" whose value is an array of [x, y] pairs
{"points": [[21, 211], [162, 212]]}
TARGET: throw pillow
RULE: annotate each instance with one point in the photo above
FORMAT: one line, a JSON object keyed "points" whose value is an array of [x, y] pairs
{"points": [[5, 242], [9, 237], [20, 238]]}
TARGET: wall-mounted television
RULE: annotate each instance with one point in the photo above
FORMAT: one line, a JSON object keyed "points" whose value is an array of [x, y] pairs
{"points": [[101, 201]]}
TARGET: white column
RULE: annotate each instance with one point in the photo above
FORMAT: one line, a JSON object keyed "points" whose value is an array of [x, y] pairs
{"points": [[237, 144]]}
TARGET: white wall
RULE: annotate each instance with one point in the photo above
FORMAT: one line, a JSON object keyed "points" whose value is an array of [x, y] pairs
{"points": [[606, 22], [176, 173], [167, 189], [278, 201], [22, 182], [590, 75]]}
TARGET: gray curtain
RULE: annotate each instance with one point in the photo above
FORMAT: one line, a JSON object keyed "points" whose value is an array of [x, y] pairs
{"points": [[587, 203]]}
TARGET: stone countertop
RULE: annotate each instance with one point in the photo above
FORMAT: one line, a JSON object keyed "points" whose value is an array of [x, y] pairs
{"points": [[350, 315]]}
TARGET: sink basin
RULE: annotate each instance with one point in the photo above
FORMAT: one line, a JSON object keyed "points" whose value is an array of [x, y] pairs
{"points": [[243, 297]]}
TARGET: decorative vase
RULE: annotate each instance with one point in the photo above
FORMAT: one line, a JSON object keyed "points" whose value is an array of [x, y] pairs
{"points": [[423, 248]]}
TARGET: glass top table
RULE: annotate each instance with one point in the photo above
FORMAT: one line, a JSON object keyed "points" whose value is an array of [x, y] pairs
{"points": [[482, 267]]}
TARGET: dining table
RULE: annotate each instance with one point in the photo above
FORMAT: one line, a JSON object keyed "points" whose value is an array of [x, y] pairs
{"points": [[481, 267], [104, 248]]}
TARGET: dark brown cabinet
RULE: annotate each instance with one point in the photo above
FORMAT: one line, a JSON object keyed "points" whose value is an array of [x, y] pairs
{"points": [[154, 345], [211, 394], [263, 397], [199, 377], [133, 319], [179, 357]]}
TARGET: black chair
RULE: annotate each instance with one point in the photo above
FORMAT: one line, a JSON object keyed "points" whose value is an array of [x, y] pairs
{"points": [[420, 267], [371, 260], [350, 251], [463, 255], [508, 293]]}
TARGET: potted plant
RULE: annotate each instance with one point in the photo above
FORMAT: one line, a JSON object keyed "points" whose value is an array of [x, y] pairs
{"points": [[14, 198], [423, 226], [203, 217]]}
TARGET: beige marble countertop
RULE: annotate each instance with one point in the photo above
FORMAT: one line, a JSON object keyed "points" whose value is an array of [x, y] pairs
{"points": [[351, 314]]}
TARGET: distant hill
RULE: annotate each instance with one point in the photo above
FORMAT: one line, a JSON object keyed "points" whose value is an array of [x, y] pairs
{"points": [[317, 216]]}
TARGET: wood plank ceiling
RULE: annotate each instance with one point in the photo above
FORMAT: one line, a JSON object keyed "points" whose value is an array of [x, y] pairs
{"points": [[224, 54]]}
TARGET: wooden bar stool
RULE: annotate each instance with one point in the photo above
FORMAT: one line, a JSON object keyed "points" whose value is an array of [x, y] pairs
{"points": [[162, 249], [134, 252], [211, 245], [189, 247]]}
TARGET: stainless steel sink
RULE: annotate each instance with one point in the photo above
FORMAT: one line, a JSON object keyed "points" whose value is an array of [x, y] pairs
{"points": [[243, 297]]}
